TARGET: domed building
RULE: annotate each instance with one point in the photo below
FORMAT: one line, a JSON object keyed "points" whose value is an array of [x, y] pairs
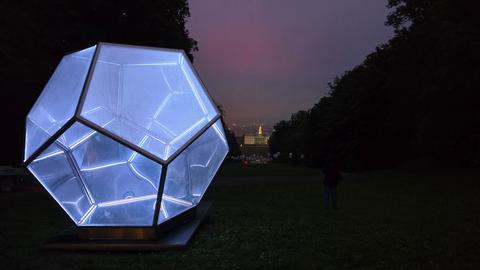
{"points": [[256, 143]]}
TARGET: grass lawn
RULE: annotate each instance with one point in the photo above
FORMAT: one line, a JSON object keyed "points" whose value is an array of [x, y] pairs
{"points": [[386, 220], [235, 169]]}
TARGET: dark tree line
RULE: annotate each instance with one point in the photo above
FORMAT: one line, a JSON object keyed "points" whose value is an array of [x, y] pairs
{"points": [[414, 100], [34, 35], [234, 148]]}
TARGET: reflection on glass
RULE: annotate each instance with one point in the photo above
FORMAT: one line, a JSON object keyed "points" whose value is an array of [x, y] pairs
{"points": [[189, 175], [111, 184], [57, 103], [55, 173], [148, 97], [174, 105]]}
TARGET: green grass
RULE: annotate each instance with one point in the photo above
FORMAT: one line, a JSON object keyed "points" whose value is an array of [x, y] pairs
{"points": [[235, 169], [386, 220]]}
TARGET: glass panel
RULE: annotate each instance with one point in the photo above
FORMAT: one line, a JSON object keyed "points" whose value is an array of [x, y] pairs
{"points": [[98, 181], [123, 184], [58, 100], [148, 97], [53, 170], [189, 175], [137, 211], [170, 208]]}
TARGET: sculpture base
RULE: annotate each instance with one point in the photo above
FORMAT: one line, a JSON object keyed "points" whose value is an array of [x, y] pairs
{"points": [[172, 236]]}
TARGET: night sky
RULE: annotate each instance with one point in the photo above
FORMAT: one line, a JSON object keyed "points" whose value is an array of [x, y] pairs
{"points": [[265, 59]]}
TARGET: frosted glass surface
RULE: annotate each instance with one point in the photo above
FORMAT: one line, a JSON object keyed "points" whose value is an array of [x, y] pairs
{"points": [[150, 98], [113, 185], [57, 102], [54, 171], [122, 183], [189, 175]]}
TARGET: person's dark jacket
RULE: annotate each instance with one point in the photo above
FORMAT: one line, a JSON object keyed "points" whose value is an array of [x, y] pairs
{"points": [[332, 176]]}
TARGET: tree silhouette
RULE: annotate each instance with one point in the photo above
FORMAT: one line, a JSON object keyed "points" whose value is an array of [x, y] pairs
{"points": [[234, 148], [34, 35], [414, 100]]}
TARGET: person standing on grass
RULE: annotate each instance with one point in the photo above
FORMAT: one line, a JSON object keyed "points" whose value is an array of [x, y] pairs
{"points": [[330, 183]]}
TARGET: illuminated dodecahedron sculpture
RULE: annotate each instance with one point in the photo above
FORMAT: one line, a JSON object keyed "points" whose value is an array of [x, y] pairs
{"points": [[124, 136]]}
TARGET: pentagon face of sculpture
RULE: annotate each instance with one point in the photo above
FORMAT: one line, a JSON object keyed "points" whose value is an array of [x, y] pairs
{"points": [[124, 136]]}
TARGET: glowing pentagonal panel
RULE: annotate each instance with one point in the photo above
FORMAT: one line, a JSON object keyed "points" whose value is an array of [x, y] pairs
{"points": [[58, 100], [54, 170], [98, 181], [189, 175], [148, 97], [98, 142]]}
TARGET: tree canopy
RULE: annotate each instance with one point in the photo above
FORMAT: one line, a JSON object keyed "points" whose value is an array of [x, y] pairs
{"points": [[34, 35], [413, 100]]}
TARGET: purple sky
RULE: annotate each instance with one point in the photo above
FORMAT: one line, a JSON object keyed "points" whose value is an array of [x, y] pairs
{"points": [[265, 59]]}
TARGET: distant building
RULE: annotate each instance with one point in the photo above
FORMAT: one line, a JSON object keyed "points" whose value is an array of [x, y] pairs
{"points": [[259, 138], [255, 144]]}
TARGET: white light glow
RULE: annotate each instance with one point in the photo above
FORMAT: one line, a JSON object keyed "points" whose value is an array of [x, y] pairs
{"points": [[164, 211], [127, 200], [194, 90], [166, 81], [87, 214], [220, 133], [48, 156], [79, 141], [153, 64], [108, 63], [162, 105], [176, 200], [103, 166], [136, 97], [95, 109], [166, 129], [208, 161], [53, 194], [137, 173], [81, 58], [186, 132]]}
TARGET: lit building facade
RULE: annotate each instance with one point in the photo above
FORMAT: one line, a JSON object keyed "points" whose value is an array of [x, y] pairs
{"points": [[255, 144], [259, 138]]}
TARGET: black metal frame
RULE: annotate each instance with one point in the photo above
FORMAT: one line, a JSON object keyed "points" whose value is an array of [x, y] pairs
{"points": [[161, 184], [78, 118]]}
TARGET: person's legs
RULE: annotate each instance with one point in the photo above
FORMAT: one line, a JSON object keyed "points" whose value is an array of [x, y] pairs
{"points": [[326, 195]]}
